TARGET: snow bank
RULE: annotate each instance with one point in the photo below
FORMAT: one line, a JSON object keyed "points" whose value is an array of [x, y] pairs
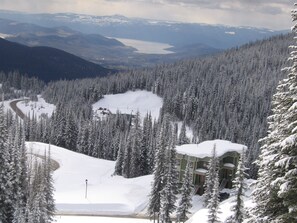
{"points": [[205, 148], [106, 195], [131, 102]]}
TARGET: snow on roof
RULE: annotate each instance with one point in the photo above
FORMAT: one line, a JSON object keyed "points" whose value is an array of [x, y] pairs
{"points": [[205, 148], [201, 171]]}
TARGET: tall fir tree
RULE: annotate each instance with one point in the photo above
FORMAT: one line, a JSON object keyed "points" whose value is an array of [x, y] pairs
{"points": [[170, 179], [238, 209], [276, 184], [186, 191], [210, 177], [154, 206]]}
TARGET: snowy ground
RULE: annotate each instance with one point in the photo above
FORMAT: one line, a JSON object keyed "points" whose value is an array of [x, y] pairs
{"points": [[131, 102], [81, 219], [107, 194], [202, 214], [38, 108]]}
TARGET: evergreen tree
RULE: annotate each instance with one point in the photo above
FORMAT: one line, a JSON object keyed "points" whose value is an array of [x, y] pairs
{"points": [[185, 202], [210, 177], [154, 206], [238, 209], [276, 185], [183, 139], [49, 188], [5, 173], [213, 205], [170, 190], [120, 159]]}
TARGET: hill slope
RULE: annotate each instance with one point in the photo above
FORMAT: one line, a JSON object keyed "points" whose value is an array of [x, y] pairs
{"points": [[46, 63]]}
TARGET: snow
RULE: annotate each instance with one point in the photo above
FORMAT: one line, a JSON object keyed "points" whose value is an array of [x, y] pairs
{"points": [[201, 215], [4, 36], [39, 108], [230, 165], [201, 171], [131, 102], [205, 148], [230, 33], [83, 219], [106, 195]]}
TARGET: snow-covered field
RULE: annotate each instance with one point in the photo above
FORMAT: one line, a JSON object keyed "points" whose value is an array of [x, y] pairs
{"points": [[106, 195], [130, 102], [80, 219], [38, 108]]}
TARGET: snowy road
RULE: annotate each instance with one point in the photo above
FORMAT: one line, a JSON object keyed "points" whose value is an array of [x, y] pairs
{"points": [[16, 109]]}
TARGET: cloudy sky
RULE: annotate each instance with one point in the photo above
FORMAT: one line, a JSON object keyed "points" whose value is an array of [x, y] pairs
{"points": [[274, 14]]}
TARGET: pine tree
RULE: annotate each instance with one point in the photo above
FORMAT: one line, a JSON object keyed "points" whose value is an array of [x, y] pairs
{"points": [[183, 139], [120, 159], [126, 168], [49, 187], [185, 202], [136, 135], [5, 174], [213, 205], [238, 209], [154, 206], [276, 184], [170, 179], [210, 177]]}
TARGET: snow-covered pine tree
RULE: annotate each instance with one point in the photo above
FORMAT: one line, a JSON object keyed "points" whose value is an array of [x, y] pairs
{"points": [[213, 205], [238, 209], [277, 182], [183, 139], [170, 190], [210, 177], [5, 174], [154, 206], [186, 191], [49, 187], [120, 159], [126, 168], [136, 134]]}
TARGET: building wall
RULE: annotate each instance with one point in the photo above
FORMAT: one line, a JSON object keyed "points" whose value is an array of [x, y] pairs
{"points": [[227, 173]]}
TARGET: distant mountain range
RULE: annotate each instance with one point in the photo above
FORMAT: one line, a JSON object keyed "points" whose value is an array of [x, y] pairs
{"points": [[88, 37], [46, 63], [174, 33]]}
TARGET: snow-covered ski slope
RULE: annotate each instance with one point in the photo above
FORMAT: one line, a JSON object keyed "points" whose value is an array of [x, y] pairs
{"points": [[130, 102], [106, 194]]}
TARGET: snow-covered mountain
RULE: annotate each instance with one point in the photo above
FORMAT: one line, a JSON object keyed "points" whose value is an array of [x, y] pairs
{"points": [[174, 33]]}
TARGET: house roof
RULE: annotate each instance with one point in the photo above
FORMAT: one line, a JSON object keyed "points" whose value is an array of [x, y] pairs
{"points": [[205, 148]]}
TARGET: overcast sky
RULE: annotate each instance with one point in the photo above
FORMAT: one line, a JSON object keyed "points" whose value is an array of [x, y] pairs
{"points": [[274, 14]]}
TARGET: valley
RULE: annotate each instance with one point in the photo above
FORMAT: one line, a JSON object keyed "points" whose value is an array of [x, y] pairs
{"points": [[148, 111]]}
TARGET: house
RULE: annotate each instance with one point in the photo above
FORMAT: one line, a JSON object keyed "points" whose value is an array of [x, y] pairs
{"points": [[199, 155]]}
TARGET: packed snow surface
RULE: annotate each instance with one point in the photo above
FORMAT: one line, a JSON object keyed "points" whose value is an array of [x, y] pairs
{"points": [[205, 148], [106, 194], [39, 108], [131, 102], [82, 219]]}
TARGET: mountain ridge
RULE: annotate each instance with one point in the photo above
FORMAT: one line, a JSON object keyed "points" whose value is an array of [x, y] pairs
{"points": [[46, 63]]}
